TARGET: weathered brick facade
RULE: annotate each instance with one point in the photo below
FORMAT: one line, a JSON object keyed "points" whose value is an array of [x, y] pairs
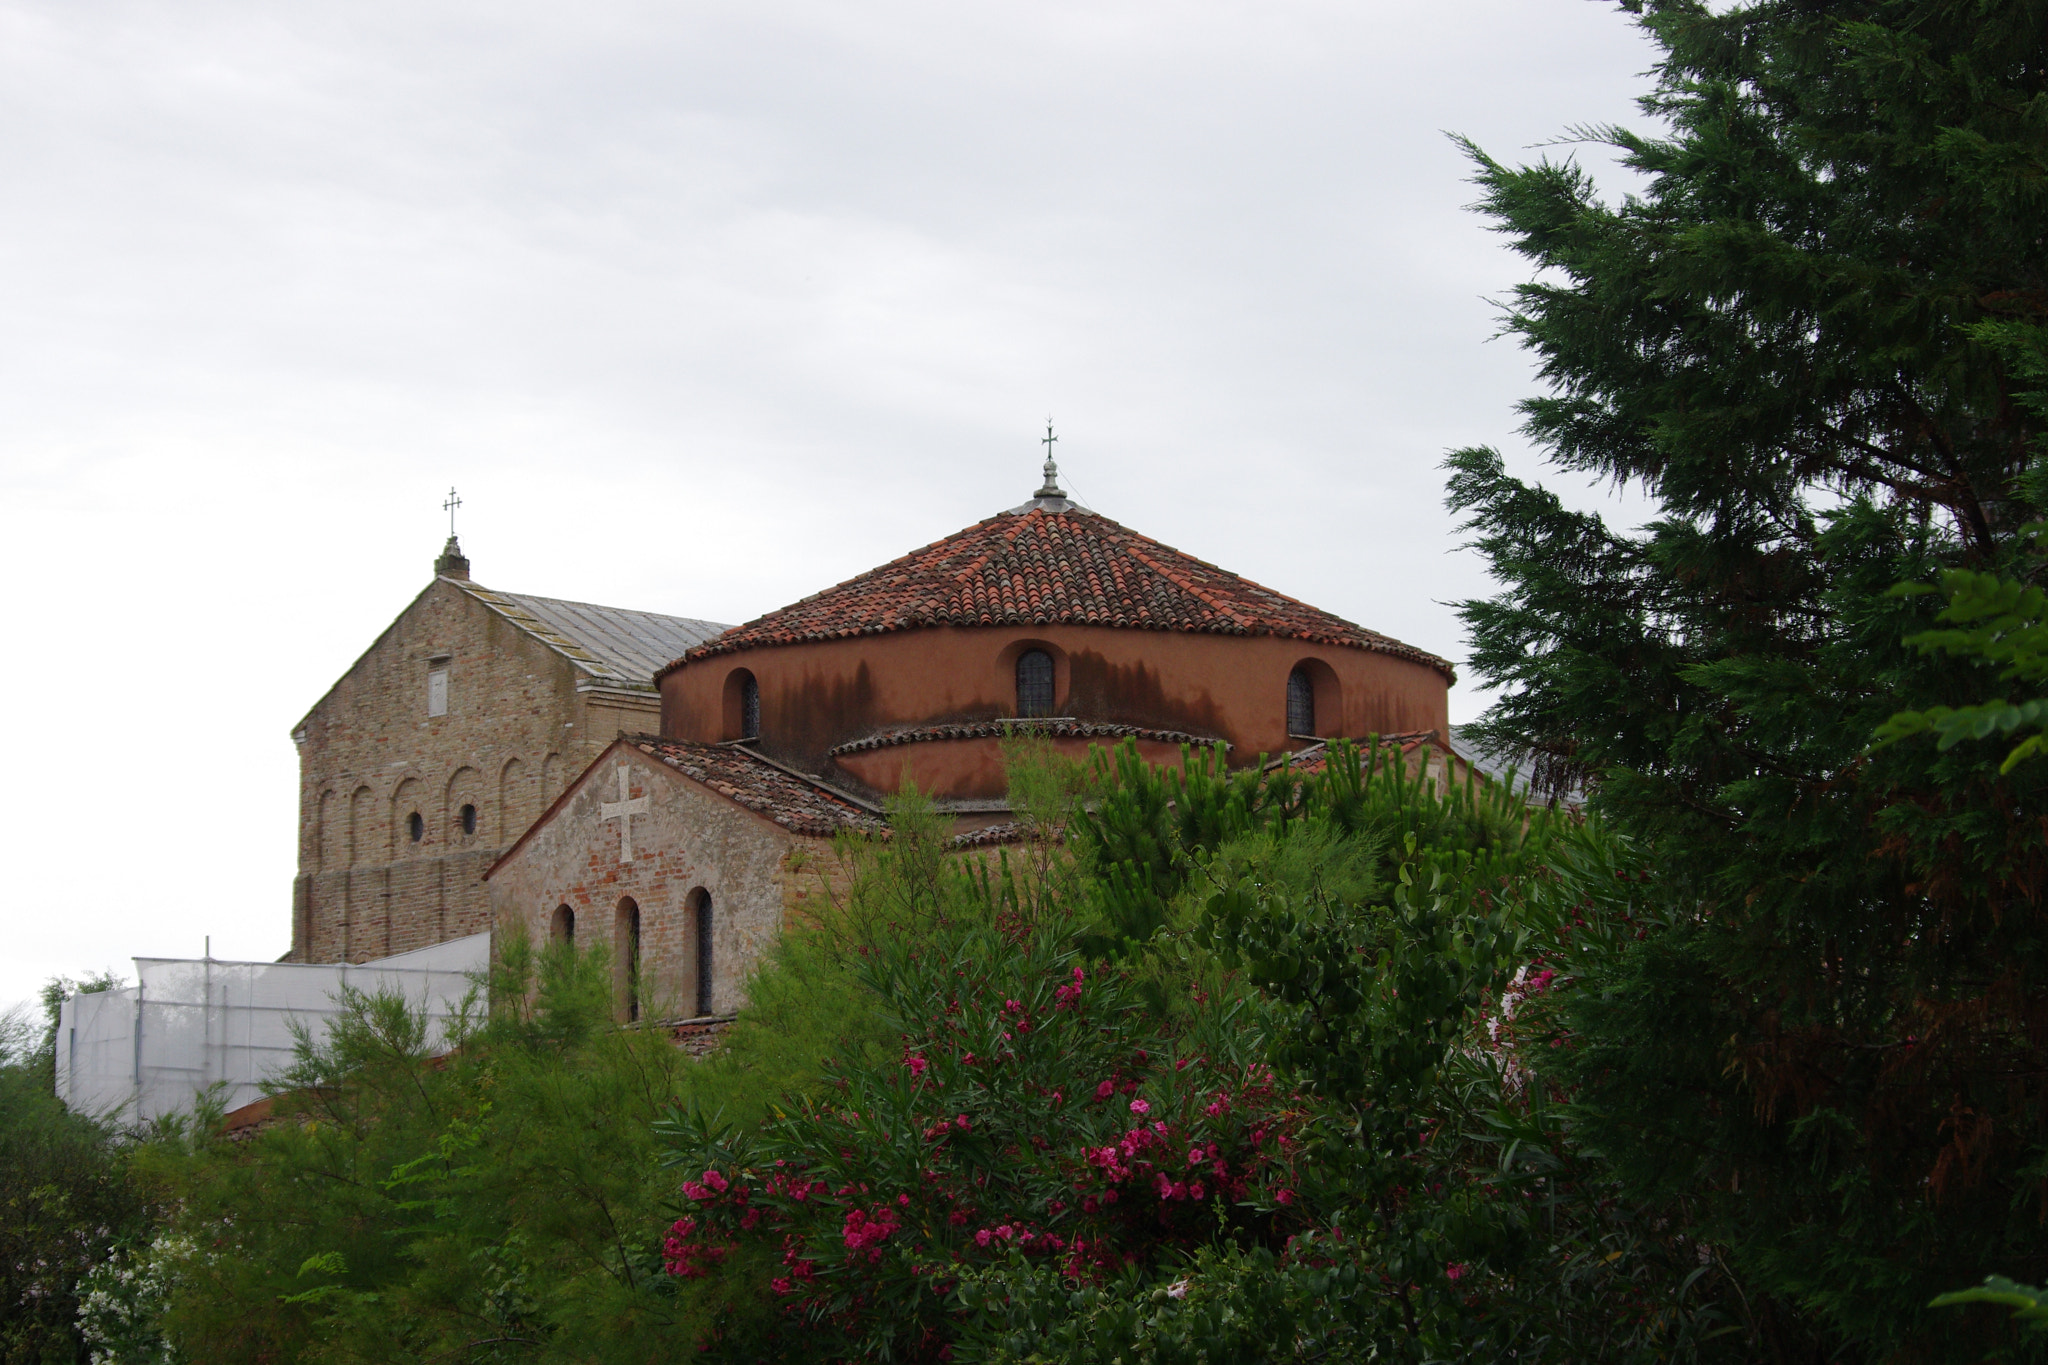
{"points": [[522, 715], [694, 852]]}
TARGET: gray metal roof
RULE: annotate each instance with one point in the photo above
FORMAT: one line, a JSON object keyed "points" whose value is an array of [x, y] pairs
{"points": [[614, 645]]}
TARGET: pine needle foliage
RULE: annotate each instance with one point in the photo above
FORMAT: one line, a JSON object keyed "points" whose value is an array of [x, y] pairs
{"points": [[1812, 338]]}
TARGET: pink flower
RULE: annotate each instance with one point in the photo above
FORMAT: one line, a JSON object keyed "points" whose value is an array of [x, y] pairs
{"points": [[1196, 1189], [782, 1286], [1006, 1232], [917, 1065], [981, 1237], [1454, 1272], [715, 1181], [1141, 1107], [1283, 1196], [902, 1201], [1105, 1090], [1194, 1156], [963, 1123]]}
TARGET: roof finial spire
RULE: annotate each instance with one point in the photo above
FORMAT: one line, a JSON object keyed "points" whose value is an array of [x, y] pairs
{"points": [[452, 563], [1051, 487]]}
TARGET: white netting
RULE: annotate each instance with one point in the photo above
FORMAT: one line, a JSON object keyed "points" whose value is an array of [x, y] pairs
{"points": [[188, 1025]]}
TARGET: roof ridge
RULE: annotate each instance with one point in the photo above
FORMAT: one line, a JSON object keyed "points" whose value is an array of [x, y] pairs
{"points": [[610, 650], [1137, 552]]}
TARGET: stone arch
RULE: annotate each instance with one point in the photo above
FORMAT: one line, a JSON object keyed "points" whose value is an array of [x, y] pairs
{"points": [[363, 841], [463, 794], [514, 811], [562, 926], [628, 985], [410, 829]]}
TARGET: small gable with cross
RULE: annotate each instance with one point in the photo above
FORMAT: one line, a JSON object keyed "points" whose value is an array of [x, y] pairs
{"points": [[688, 855]]}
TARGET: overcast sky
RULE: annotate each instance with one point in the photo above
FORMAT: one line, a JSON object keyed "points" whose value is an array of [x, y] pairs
{"points": [[703, 307]]}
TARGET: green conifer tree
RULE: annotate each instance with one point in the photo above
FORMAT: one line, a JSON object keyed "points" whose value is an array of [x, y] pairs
{"points": [[1807, 339]]}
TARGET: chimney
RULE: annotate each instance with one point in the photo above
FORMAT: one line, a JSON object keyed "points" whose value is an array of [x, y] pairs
{"points": [[451, 564]]}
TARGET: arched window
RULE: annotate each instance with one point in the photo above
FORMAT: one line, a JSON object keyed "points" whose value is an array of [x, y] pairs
{"points": [[1301, 703], [700, 922], [1034, 683], [626, 961], [416, 826], [562, 929], [750, 708], [469, 819]]}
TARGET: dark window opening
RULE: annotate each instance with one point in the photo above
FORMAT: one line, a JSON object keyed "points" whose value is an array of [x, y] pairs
{"points": [[563, 930], [1034, 683], [1301, 703], [416, 826], [628, 966], [750, 708], [469, 819], [703, 928]]}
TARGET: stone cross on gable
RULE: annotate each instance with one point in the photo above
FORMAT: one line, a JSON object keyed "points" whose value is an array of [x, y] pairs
{"points": [[623, 810]]}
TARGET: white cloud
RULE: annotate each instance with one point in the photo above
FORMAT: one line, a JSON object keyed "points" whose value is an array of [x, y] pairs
{"points": [[703, 307]]}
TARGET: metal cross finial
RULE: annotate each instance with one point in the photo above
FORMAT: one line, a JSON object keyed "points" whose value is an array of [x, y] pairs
{"points": [[1051, 488], [449, 507]]}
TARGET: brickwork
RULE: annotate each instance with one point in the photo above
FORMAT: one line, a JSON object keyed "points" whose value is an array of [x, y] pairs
{"points": [[516, 725], [691, 847]]}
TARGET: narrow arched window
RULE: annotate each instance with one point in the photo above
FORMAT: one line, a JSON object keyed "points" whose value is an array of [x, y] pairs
{"points": [[469, 819], [563, 928], [416, 826], [750, 707], [1034, 683], [1301, 703], [700, 915], [626, 963]]}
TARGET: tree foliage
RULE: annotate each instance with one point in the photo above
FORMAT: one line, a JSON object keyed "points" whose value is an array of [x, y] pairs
{"points": [[65, 1197], [1812, 338]]}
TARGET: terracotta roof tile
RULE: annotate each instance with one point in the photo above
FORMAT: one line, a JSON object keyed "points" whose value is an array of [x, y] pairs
{"points": [[798, 805], [1037, 567], [1315, 757], [1058, 728]]}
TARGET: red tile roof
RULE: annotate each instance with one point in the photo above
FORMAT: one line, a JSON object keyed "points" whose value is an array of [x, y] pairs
{"points": [[1057, 728], [1313, 758], [797, 804], [1039, 567]]}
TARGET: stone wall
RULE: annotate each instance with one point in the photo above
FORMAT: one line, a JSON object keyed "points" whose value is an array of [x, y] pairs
{"points": [[690, 847], [516, 729]]}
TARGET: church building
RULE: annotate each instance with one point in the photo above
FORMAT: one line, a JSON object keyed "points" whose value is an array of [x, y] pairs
{"points": [[684, 850], [440, 745]]}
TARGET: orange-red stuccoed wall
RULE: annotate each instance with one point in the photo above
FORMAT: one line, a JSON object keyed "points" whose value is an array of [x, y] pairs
{"points": [[820, 694]]}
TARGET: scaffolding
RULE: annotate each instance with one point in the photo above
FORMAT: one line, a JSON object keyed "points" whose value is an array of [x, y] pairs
{"points": [[190, 1025]]}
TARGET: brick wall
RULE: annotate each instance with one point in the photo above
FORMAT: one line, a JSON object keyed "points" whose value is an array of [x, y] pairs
{"points": [[516, 729], [691, 847]]}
